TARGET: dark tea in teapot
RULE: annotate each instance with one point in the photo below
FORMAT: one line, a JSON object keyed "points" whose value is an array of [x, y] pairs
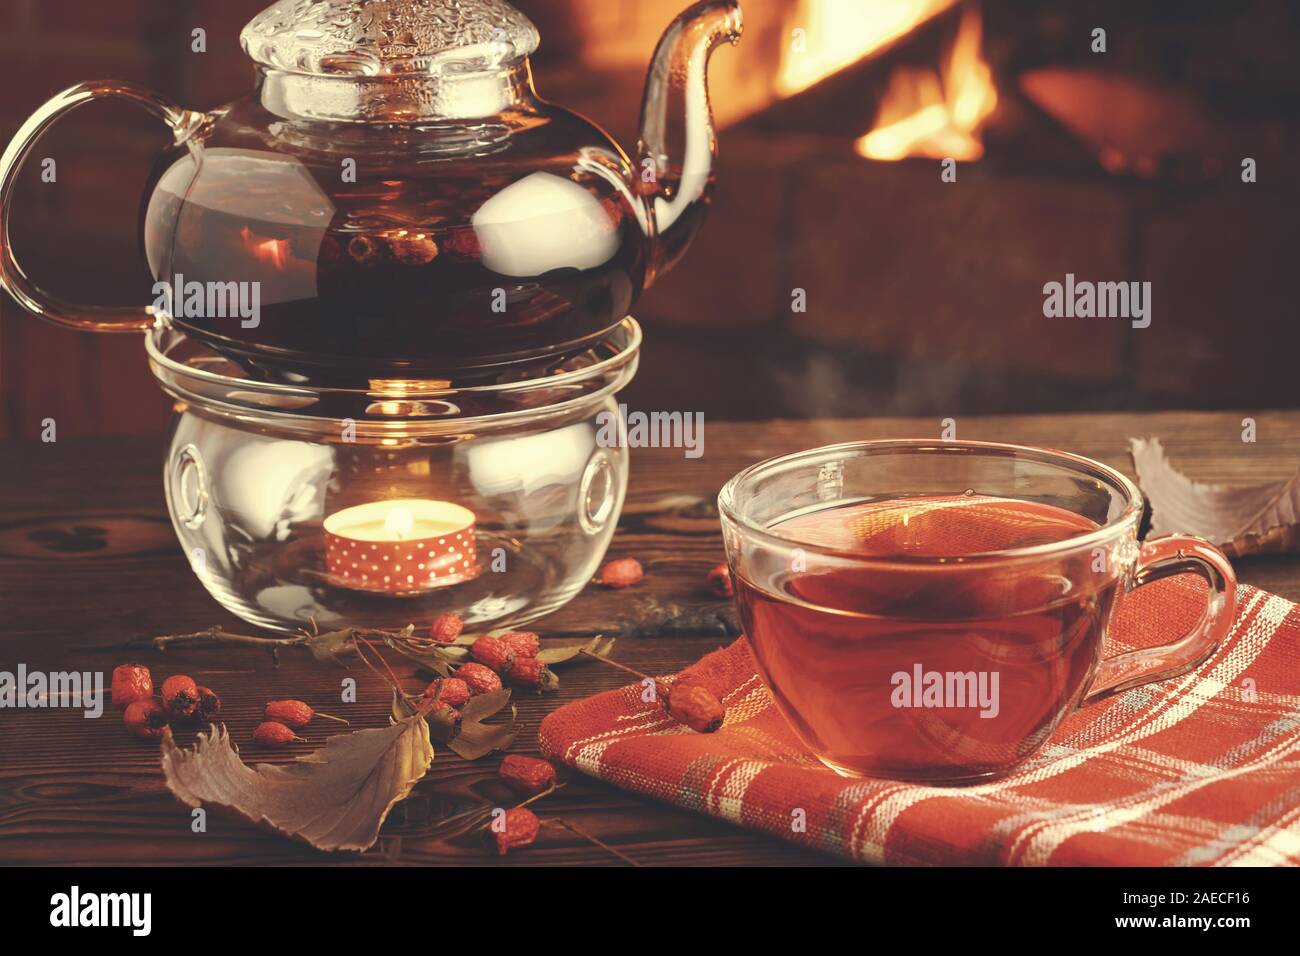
{"points": [[393, 200], [445, 259]]}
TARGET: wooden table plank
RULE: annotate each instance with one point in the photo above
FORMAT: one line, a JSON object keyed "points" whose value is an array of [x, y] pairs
{"points": [[79, 791]]}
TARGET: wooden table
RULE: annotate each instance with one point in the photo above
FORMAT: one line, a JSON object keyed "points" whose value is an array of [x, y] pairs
{"points": [[87, 557]]}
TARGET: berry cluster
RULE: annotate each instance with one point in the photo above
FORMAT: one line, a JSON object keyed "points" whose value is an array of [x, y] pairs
{"points": [[510, 658], [181, 699], [145, 715]]}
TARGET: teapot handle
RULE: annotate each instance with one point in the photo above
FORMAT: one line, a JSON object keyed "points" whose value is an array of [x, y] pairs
{"points": [[99, 318]]}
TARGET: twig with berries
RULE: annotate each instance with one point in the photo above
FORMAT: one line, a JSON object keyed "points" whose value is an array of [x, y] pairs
{"points": [[513, 657], [517, 827]]}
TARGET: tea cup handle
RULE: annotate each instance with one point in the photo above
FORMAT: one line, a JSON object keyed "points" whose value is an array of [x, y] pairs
{"points": [[1164, 558], [29, 295]]}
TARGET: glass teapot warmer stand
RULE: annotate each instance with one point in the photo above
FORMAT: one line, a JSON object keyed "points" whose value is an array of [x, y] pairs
{"points": [[285, 496]]}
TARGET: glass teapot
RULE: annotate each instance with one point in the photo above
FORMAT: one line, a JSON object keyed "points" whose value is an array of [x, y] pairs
{"points": [[394, 198]]}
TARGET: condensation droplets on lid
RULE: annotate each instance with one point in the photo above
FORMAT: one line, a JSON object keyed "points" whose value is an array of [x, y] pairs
{"points": [[389, 37]]}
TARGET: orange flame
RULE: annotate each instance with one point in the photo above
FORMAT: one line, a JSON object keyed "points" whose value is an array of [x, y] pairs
{"points": [[921, 115], [272, 251], [828, 35]]}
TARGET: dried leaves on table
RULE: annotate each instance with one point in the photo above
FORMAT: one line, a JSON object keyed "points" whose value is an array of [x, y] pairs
{"points": [[467, 733], [473, 738], [1250, 519], [335, 799], [596, 647], [338, 797]]}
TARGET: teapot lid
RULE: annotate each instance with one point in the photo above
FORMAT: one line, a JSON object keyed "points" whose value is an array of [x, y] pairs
{"points": [[389, 37]]}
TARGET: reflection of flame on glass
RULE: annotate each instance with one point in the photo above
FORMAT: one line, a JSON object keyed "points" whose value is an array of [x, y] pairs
{"points": [[406, 387], [922, 115], [828, 35], [399, 523], [273, 251]]}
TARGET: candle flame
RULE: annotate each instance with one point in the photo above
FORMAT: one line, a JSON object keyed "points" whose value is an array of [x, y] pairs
{"points": [[399, 522]]}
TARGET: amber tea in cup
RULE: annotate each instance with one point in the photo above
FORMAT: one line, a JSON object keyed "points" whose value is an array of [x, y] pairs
{"points": [[932, 611]]}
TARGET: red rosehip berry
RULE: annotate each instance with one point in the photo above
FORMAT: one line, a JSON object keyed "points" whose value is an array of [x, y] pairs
{"points": [[720, 581], [295, 713], [272, 733], [527, 776], [522, 643], [478, 678], [621, 573], [446, 628], [492, 652], [209, 705], [449, 690], [694, 706], [517, 828], [180, 695], [531, 673], [131, 682], [145, 719]]}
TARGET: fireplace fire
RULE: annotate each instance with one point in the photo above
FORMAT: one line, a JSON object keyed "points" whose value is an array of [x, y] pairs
{"points": [[937, 116], [930, 110], [829, 35]]}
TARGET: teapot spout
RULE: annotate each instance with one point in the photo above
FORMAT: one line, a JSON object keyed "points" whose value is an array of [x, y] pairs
{"points": [[678, 148]]}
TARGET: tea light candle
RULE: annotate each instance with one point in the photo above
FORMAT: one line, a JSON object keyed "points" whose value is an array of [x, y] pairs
{"points": [[402, 546]]}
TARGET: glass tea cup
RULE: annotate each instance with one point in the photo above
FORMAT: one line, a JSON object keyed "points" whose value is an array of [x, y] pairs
{"points": [[931, 611]]}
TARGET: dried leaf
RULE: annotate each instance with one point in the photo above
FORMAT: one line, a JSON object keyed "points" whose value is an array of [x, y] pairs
{"points": [[1251, 519], [434, 660], [597, 646], [332, 646], [402, 708], [335, 799], [442, 725], [454, 652], [476, 739], [485, 705]]}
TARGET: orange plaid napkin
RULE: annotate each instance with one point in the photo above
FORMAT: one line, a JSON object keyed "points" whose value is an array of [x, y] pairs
{"points": [[1199, 770]]}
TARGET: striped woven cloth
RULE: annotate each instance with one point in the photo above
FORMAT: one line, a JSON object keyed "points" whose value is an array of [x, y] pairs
{"points": [[1199, 770]]}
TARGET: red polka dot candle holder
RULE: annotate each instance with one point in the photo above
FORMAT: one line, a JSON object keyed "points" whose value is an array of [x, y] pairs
{"points": [[402, 547]]}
